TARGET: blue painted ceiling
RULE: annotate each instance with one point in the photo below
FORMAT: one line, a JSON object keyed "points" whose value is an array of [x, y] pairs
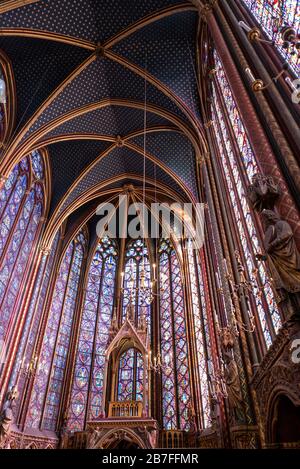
{"points": [[113, 82]]}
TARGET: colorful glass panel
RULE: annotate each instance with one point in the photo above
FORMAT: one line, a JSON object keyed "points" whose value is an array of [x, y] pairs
{"points": [[137, 280], [16, 256], [130, 376], [272, 16], [12, 198], [102, 330], [174, 349], [3, 100], [21, 209], [37, 164], [63, 338], [201, 331], [8, 187], [33, 318], [52, 359], [237, 192], [95, 323]]}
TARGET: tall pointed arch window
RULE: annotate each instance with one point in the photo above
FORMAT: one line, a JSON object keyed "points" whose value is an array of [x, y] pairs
{"points": [[137, 276], [87, 386], [25, 352], [201, 331], [272, 16], [21, 210], [47, 390], [130, 376], [176, 392], [238, 165], [3, 100]]}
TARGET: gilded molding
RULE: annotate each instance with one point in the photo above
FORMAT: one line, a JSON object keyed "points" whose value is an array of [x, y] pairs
{"points": [[32, 142], [57, 219], [40, 34], [9, 5]]}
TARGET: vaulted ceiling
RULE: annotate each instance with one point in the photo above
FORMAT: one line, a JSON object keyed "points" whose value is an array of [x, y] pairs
{"points": [[82, 70]]}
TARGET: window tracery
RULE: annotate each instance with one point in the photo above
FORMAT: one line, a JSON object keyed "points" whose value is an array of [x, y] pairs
{"points": [[272, 16], [22, 206], [130, 376], [87, 386], [176, 393], [201, 331], [229, 128], [47, 390], [137, 276]]}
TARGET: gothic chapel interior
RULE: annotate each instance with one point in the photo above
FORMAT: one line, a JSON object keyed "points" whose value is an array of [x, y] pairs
{"points": [[115, 341]]}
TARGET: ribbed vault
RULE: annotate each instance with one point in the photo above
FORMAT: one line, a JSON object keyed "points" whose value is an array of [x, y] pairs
{"points": [[82, 72]]}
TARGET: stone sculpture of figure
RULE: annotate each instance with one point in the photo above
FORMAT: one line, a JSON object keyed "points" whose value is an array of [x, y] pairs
{"points": [[227, 337], [114, 322], [153, 437], [130, 311], [282, 252], [192, 419], [93, 438], [63, 432], [143, 320], [6, 416], [233, 385], [263, 192]]}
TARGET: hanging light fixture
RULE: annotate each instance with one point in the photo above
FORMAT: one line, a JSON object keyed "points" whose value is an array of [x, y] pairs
{"points": [[142, 272], [143, 289]]}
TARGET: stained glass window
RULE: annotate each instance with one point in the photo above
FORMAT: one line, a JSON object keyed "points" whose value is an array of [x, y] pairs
{"points": [[37, 164], [137, 280], [2, 103], [52, 360], [95, 323], [130, 376], [176, 393], [235, 174], [27, 343], [21, 210], [201, 331], [272, 16]]}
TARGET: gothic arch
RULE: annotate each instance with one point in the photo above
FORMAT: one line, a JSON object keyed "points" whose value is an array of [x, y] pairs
{"points": [[32, 445], [273, 415], [123, 433], [93, 193], [19, 148], [125, 62]]}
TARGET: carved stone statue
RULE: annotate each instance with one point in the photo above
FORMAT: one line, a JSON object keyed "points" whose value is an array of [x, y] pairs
{"points": [[63, 432], [263, 192], [282, 251], [153, 434], [93, 438], [192, 419], [130, 311], [282, 256], [227, 337], [149, 434], [233, 385], [7, 416], [143, 321], [114, 322]]}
